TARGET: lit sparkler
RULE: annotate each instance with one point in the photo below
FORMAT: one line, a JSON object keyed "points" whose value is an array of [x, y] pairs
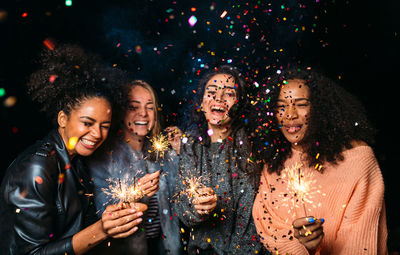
{"points": [[301, 188], [159, 145], [123, 190]]}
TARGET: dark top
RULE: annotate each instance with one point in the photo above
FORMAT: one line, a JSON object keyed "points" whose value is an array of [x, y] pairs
{"points": [[44, 200]]}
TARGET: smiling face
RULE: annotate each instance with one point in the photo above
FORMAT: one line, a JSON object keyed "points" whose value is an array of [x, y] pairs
{"points": [[219, 97], [140, 115], [86, 127], [293, 111]]}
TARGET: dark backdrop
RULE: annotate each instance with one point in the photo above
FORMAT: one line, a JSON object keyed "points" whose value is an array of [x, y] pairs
{"points": [[355, 42]]}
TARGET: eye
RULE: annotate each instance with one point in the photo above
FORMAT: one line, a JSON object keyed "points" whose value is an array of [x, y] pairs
{"points": [[132, 108], [87, 124], [106, 127], [230, 94]]}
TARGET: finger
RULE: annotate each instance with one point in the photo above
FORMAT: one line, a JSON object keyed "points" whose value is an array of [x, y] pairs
{"points": [[313, 244], [149, 178], [108, 215], [122, 227], [206, 206], [304, 221], [310, 235], [126, 234], [204, 199], [114, 207]]}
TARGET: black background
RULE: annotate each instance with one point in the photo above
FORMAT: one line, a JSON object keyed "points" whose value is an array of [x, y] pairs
{"points": [[355, 42]]}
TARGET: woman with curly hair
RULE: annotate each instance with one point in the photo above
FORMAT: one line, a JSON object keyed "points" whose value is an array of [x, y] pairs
{"points": [[217, 207], [321, 189], [127, 156], [46, 194]]}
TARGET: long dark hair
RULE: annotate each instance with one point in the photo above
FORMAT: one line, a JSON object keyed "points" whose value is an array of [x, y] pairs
{"points": [[337, 119], [239, 112], [198, 122]]}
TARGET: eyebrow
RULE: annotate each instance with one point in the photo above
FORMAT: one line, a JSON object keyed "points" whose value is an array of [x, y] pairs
{"points": [[90, 118], [296, 99], [225, 87], [135, 101]]}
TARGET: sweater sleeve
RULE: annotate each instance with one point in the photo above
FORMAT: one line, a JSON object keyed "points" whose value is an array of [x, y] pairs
{"points": [[276, 233], [363, 229], [183, 206], [245, 235]]}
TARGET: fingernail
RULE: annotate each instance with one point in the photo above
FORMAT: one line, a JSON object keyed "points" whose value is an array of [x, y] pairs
{"points": [[132, 210], [139, 214], [322, 220], [139, 220], [311, 220]]}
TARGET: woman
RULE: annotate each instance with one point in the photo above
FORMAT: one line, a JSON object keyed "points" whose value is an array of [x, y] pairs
{"points": [[321, 188], [217, 207], [46, 192], [126, 159]]}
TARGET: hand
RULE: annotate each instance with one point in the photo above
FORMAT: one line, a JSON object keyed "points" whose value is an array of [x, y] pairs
{"points": [[309, 231], [174, 138], [121, 220], [148, 184], [204, 200]]}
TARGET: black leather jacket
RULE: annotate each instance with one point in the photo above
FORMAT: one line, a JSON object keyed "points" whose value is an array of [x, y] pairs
{"points": [[45, 198]]}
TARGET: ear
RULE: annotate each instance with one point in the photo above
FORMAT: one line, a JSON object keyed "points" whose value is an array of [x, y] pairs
{"points": [[62, 119]]}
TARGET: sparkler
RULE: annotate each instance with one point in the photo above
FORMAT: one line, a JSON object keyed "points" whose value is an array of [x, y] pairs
{"points": [[159, 145], [300, 187], [123, 191]]}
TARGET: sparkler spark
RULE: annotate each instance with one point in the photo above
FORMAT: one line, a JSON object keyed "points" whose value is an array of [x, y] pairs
{"points": [[159, 145], [301, 188], [123, 190]]}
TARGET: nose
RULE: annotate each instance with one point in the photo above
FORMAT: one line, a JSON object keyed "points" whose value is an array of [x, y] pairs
{"points": [[291, 112], [143, 111], [219, 95], [96, 132]]}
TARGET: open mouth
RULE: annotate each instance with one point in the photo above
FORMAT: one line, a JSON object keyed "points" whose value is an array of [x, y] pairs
{"points": [[293, 128], [218, 109], [87, 143], [141, 123]]}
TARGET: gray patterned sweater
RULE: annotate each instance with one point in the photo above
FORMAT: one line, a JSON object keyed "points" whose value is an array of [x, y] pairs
{"points": [[229, 228]]}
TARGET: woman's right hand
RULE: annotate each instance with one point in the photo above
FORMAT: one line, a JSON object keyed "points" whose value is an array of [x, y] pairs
{"points": [[204, 200], [121, 220], [309, 231]]}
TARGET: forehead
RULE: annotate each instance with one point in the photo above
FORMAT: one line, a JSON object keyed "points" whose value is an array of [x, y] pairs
{"points": [[221, 81], [96, 106], [138, 93], [295, 88]]}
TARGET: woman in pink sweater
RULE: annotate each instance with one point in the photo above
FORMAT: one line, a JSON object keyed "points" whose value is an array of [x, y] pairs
{"points": [[321, 189]]}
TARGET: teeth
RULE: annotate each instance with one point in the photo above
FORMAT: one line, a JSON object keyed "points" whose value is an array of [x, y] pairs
{"points": [[87, 142], [216, 108], [141, 122], [293, 129]]}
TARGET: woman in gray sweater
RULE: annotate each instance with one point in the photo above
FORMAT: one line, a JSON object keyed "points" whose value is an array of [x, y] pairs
{"points": [[217, 180]]}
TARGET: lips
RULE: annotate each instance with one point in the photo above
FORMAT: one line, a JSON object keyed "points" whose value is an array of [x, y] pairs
{"points": [[293, 128], [218, 110], [88, 144], [141, 123]]}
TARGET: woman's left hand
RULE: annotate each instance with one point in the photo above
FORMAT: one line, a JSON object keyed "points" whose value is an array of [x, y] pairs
{"points": [[309, 231], [174, 138]]}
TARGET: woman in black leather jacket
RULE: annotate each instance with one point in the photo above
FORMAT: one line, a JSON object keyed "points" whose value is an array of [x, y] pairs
{"points": [[46, 195]]}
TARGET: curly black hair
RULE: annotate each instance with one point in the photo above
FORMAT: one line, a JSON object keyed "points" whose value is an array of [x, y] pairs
{"points": [[337, 119], [67, 76]]}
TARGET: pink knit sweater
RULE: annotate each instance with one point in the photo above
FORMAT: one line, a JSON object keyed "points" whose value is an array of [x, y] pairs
{"points": [[349, 196]]}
